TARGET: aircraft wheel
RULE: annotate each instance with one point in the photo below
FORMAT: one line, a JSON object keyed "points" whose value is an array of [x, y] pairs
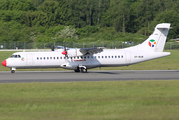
{"points": [[77, 70], [83, 70], [12, 71]]}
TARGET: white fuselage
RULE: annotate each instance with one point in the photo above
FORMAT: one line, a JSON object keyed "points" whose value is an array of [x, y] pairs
{"points": [[107, 58]]}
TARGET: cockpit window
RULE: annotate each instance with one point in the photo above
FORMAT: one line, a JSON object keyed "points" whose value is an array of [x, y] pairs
{"points": [[15, 56]]}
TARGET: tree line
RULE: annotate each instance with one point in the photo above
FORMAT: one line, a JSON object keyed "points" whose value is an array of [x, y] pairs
{"points": [[84, 20]]}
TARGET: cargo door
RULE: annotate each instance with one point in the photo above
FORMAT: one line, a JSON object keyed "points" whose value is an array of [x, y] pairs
{"points": [[128, 57], [29, 59]]}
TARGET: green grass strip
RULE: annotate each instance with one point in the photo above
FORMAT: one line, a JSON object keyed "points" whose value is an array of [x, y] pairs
{"points": [[116, 100]]}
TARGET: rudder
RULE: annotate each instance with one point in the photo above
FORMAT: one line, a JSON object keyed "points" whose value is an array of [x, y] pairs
{"points": [[156, 41]]}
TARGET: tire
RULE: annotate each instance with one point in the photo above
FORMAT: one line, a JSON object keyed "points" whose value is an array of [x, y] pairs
{"points": [[77, 71], [83, 70]]}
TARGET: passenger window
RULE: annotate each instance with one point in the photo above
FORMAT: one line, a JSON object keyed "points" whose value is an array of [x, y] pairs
{"points": [[37, 58], [54, 58], [84, 57], [98, 56], [44, 58], [108, 56], [57, 57], [81, 57], [91, 56], [15, 56], [118, 56], [112, 56], [122, 56], [50, 57], [101, 56], [41, 58], [19, 56], [88, 57], [105, 56], [115, 56], [47, 58], [60, 57]]}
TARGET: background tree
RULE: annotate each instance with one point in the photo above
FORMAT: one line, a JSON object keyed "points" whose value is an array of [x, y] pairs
{"points": [[94, 20], [117, 15]]}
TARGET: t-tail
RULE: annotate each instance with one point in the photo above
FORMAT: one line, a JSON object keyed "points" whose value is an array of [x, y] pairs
{"points": [[156, 41]]}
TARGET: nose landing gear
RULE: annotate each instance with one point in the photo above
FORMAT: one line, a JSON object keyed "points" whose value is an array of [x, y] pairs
{"points": [[13, 70]]}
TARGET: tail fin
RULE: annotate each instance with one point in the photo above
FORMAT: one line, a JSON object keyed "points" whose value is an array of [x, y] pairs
{"points": [[156, 41]]}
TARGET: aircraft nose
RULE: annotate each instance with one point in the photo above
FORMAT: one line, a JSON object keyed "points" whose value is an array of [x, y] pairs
{"points": [[4, 63]]}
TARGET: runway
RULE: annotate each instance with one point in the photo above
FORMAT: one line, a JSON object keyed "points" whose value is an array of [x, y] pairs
{"points": [[100, 75]]}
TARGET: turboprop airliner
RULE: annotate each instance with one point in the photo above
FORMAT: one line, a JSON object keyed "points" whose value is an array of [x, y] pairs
{"points": [[80, 60]]}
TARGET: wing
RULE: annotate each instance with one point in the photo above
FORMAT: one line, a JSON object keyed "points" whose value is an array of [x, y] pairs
{"points": [[91, 51], [83, 51]]}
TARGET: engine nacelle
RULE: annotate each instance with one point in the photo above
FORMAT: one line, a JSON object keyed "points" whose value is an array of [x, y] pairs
{"points": [[74, 52]]}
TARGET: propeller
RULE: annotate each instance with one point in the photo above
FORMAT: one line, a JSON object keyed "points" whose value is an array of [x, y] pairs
{"points": [[64, 51], [52, 47]]}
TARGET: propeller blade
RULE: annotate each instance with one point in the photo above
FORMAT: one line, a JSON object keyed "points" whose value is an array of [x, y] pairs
{"points": [[52, 47], [64, 46], [65, 51]]}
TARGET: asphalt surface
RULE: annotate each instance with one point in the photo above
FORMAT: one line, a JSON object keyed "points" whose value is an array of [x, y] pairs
{"points": [[101, 75]]}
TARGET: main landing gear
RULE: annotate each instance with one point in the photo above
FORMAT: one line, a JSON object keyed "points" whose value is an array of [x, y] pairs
{"points": [[77, 70], [82, 69]]}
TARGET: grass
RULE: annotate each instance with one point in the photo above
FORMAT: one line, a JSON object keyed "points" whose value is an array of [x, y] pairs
{"points": [[149, 100], [165, 63]]}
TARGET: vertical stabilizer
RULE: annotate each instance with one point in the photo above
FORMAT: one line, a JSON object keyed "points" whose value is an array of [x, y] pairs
{"points": [[156, 41]]}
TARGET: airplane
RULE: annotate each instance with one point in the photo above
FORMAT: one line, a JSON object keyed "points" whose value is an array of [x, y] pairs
{"points": [[82, 59]]}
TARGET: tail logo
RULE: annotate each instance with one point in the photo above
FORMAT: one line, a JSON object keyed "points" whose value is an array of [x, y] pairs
{"points": [[152, 43]]}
